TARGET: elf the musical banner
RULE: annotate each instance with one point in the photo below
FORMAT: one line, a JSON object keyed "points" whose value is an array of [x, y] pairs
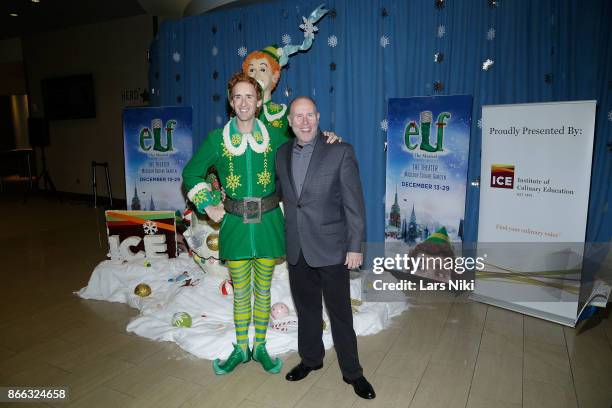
{"points": [[427, 155], [157, 145]]}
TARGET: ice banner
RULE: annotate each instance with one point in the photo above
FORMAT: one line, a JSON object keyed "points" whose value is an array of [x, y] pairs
{"points": [[534, 195]]}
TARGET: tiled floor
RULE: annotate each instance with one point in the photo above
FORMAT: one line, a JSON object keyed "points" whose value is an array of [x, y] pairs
{"points": [[443, 352]]}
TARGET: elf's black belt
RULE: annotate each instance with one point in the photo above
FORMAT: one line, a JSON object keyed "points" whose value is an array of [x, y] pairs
{"points": [[250, 209]]}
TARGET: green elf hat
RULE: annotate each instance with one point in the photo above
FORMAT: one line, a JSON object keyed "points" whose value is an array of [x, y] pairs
{"points": [[438, 237], [272, 50]]}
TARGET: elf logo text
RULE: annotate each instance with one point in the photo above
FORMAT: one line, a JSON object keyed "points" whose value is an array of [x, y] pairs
{"points": [[412, 130], [154, 139]]}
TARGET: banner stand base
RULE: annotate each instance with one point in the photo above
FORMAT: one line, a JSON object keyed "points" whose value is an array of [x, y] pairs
{"points": [[523, 310]]}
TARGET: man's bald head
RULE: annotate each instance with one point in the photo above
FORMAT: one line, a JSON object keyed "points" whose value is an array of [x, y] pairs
{"points": [[304, 119], [302, 99]]}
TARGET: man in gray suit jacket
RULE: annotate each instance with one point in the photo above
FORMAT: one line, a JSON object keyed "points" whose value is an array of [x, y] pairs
{"points": [[325, 222]]}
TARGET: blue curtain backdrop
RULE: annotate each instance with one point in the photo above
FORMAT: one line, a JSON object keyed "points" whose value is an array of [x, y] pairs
{"points": [[543, 50]]}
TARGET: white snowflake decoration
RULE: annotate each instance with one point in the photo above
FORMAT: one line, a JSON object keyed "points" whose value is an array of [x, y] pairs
{"points": [[215, 51], [149, 227], [176, 56], [441, 31], [286, 39], [308, 27], [332, 41], [491, 34], [479, 123], [242, 52], [487, 64], [384, 41], [610, 116], [384, 125]]}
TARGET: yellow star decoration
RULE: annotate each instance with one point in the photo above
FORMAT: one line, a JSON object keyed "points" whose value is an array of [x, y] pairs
{"points": [[258, 137], [200, 197], [226, 152], [264, 178], [236, 138], [274, 108], [233, 181]]}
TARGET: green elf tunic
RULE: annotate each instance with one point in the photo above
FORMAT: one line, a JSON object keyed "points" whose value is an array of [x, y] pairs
{"points": [[274, 115], [245, 163]]}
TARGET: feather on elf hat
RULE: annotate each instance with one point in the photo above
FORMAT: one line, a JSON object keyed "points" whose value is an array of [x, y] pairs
{"points": [[281, 54]]}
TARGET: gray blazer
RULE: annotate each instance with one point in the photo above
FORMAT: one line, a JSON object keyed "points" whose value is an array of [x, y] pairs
{"points": [[328, 218]]}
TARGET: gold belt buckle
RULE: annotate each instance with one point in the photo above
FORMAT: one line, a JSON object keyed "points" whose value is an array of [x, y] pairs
{"points": [[252, 210]]}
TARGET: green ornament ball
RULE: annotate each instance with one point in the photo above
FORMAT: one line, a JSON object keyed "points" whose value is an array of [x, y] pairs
{"points": [[181, 319]]}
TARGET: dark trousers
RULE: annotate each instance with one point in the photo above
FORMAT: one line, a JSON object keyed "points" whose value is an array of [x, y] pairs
{"points": [[307, 286]]}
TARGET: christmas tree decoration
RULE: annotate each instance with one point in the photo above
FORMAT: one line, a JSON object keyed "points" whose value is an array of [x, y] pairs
{"points": [[149, 227], [384, 41], [332, 41], [142, 290], [487, 64], [227, 287], [212, 242], [384, 125], [438, 57], [491, 34], [441, 31], [181, 319]]}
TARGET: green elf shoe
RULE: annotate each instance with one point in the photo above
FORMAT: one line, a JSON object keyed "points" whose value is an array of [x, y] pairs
{"points": [[260, 354], [239, 355]]}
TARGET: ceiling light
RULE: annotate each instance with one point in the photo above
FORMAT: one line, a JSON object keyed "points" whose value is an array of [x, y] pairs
{"points": [[14, 15], [35, 1]]}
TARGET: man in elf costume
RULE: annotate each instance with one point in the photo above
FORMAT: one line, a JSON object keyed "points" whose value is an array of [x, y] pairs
{"points": [[252, 230]]}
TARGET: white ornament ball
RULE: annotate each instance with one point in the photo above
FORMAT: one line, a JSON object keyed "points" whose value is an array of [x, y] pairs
{"points": [[279, 310]]}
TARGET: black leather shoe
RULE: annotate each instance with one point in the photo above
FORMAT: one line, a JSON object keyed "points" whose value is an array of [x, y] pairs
{"points": [[300, 371], [362, 387]]}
